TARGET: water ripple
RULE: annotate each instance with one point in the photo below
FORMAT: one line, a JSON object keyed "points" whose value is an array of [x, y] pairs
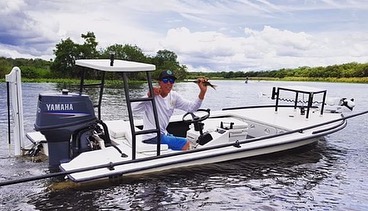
{"points": [[330, 175]]}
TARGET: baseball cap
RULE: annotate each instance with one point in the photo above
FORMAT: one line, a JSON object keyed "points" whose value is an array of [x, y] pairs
{"points": [[166, 74]]}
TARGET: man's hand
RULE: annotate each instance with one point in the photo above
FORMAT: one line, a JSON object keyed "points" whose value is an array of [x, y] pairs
{"points": [[156, 91], [202, 83], [203, 88]]}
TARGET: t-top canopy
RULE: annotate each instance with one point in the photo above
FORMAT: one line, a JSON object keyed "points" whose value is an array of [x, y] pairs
{"points": [[117, 66], [303, 89]]}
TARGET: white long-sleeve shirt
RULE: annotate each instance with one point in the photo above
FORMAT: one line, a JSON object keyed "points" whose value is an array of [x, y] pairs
{"points": [[165, 108]]}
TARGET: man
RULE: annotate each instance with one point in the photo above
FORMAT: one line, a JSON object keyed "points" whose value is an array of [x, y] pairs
{"points": [[166, 101]]}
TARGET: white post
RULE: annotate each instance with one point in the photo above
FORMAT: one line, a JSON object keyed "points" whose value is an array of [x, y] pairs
{"points": [[15, 86]]}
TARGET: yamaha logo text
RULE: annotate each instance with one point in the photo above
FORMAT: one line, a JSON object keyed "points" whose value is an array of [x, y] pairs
{"points": [[59, 107]]}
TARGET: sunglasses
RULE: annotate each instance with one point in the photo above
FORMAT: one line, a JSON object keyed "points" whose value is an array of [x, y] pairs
{"points": [[166, 80]]}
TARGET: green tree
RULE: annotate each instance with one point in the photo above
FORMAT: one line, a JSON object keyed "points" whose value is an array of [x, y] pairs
{"points": [[133, 53], [65, 55], [332, 71], [116, 49], [163, 56], [181, 73], [167, 60], [67, 52], [129, 53], [89, 48], [125, 52], [5, 66]]}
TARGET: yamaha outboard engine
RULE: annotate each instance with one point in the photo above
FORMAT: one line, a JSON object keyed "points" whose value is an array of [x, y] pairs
{"points": [[58, 117]]}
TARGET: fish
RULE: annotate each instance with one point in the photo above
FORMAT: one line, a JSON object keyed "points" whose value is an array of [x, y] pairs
{"points": [[206, 83]]}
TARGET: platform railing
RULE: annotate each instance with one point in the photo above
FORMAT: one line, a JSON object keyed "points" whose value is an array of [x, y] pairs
{"points": [[15, 103]]}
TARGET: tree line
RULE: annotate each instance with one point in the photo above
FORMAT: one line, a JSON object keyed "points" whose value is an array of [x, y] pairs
{"points": [[67, 51], [348, 70]]}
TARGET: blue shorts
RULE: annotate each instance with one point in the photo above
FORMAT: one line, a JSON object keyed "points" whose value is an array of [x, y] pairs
{"points": [[174, 142]]}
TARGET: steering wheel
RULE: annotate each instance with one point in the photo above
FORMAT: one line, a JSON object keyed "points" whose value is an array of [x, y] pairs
{"points": [[196, 119]]}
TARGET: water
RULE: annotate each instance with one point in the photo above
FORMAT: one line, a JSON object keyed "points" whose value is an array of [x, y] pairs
{"points": [[330, 175]]}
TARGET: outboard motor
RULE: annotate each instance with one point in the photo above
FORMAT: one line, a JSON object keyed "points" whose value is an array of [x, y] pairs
{"points": [[58, 117]]}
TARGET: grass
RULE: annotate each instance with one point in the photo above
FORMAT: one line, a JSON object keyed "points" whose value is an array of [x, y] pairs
{"points": [[336, 80]]}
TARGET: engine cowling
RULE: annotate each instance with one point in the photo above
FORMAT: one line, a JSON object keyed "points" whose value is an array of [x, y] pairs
{"points": [[58, 116]]}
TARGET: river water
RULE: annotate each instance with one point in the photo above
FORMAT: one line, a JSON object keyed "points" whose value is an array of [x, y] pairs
{"points": [[330, 175]]}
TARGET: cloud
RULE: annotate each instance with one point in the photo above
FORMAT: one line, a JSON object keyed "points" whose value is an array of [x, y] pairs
{"points": [[269, 48], [206, 35], [20, 32]]}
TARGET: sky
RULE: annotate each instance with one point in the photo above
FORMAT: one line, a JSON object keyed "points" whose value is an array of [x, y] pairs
{"points": [[206, 35]]}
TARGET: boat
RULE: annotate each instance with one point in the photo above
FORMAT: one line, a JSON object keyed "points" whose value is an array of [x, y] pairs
{"points": [[83, 147]]}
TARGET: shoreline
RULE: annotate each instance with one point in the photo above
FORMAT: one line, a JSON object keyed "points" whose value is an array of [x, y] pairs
{"points": [[115, 83]]}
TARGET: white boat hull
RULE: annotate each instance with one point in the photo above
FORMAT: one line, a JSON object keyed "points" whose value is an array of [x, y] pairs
{"points": [[278, 136]]}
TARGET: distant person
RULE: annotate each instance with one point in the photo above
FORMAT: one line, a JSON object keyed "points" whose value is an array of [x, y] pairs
{"points": [[166, 101]]}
